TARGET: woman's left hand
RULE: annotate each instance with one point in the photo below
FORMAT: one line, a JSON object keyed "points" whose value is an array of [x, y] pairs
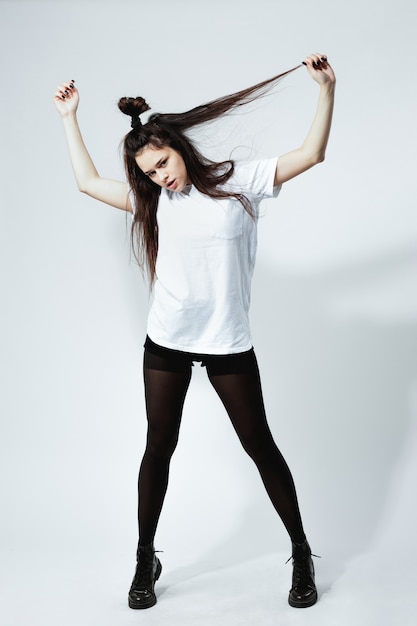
{"points": [[313, 148], [319, 69]]}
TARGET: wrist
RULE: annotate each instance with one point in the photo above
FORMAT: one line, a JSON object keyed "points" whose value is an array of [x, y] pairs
{"points": [[69, 117], [328, 87]]}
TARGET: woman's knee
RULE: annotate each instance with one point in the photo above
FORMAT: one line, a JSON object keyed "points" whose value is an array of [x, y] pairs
{"points": [[161, 445], [258, 445]]}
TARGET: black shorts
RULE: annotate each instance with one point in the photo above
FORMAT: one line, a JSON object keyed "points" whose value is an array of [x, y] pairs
{"points": [[159, 358]]}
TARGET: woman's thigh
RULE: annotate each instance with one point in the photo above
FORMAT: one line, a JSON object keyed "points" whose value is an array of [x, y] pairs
{"points": [[241, 395], [165, 393]]}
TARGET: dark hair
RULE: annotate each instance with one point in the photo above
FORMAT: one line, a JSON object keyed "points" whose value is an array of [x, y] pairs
{"points": [[168, 129]]}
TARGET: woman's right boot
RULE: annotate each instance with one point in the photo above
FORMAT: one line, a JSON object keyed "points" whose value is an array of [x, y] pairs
{"points": [[148, 569], [303, 592]]}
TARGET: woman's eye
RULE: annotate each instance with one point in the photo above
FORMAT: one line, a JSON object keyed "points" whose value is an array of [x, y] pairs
{"points": [[163, 163], [151, 174]]}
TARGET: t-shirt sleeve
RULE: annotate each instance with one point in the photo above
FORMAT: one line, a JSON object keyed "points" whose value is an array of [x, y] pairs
{"points": [[255, 179]]}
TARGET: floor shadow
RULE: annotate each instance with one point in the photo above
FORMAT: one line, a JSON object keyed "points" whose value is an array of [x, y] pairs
{"points": [[336, 384]]}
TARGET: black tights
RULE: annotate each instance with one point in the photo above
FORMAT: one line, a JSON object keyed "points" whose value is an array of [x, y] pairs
{"points": [[241, 395]]}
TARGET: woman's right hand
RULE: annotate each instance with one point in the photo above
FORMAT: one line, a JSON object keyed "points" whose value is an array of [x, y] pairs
{"points": [[66, 98], [88, 180]]}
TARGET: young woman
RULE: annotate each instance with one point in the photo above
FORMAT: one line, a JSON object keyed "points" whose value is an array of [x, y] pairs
{"points": [[194, 229]]}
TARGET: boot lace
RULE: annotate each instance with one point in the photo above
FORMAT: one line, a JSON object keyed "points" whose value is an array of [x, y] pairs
{"points": [[301, 569], [144, 570]]}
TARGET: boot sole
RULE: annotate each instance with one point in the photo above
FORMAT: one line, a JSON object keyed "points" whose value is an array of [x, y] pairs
{"points": [[303, 605], [152, 601]]}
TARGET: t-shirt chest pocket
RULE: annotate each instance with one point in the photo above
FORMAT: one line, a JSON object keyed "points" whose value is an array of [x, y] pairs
{"points": [[201, 223], [221, 221]]}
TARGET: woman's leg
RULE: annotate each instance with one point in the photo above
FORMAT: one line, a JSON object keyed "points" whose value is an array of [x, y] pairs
{"points": [[165, 393], [241, 395], [166, 385]]}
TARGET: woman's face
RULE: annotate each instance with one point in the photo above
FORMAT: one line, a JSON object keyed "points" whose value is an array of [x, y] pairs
{"points": [[164, 166]]}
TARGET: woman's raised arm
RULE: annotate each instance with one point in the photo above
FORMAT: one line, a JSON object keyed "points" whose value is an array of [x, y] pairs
{"points": [[313, 149], [89, 181]]}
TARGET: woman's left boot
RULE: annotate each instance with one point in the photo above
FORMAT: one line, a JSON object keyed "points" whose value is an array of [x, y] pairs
{"points": [[148, 569], [303, 592]]}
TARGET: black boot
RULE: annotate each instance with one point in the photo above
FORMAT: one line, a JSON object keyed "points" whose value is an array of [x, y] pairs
{"points": [[303, 592], [148, 570]]}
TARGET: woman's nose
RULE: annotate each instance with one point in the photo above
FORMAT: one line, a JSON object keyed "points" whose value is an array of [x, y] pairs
{"points": [[163, 175]]}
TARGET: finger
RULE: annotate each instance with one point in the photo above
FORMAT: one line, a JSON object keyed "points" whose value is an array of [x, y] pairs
{"points": [[321, 60], [317, 62], [65, 90], [313, 60], [325, 62], [60, 92]]}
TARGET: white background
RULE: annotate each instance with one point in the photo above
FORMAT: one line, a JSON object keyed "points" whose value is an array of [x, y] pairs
{"points": [[334, 319]]}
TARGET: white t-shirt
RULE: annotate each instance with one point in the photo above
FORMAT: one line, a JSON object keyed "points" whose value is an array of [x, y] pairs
{"points": [[205, 262]]}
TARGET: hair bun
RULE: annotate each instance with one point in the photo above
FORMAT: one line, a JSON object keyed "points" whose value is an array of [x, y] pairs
{"points": [[133, 106]]}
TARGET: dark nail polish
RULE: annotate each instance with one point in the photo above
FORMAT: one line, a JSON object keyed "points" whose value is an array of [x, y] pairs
{"points": [[303, 62]]}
